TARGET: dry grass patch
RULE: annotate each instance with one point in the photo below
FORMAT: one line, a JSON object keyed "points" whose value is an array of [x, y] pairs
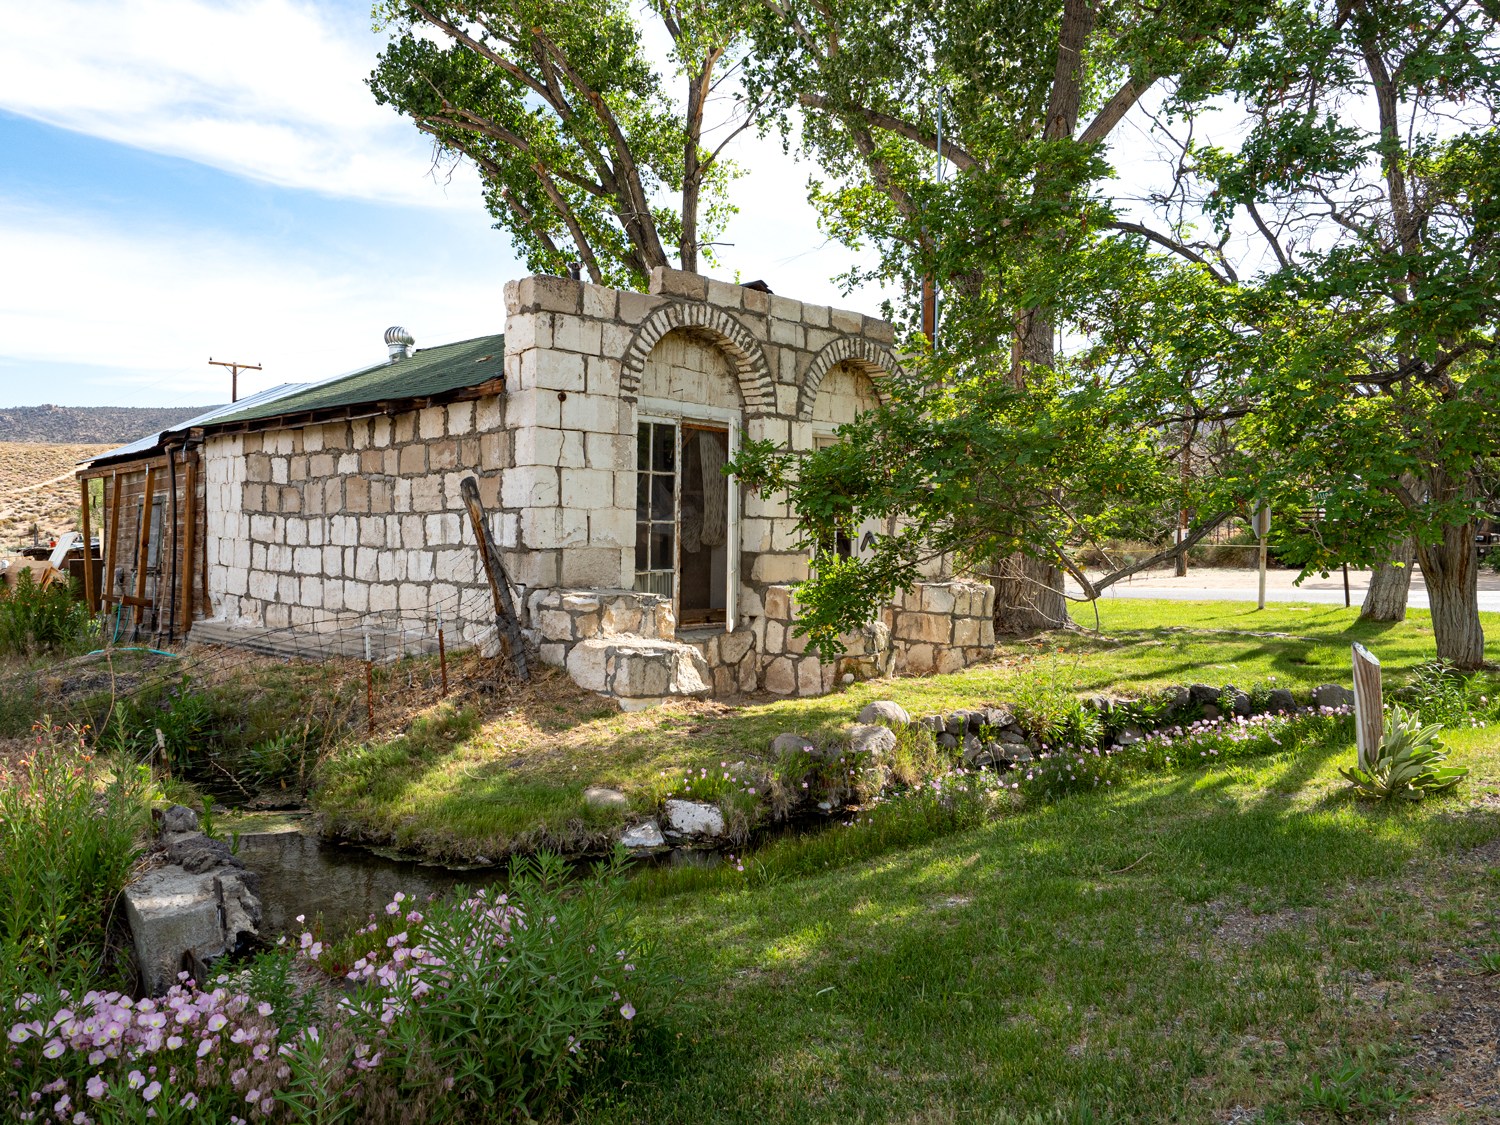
{"points": [[37, 487]]}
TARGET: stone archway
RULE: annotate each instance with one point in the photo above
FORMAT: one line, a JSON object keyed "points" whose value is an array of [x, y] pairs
{"points": [[751, 369], [873, 359]]}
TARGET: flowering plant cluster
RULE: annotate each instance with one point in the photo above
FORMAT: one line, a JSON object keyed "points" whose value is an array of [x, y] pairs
{"points": [[1057, 770], [457, 1002]]}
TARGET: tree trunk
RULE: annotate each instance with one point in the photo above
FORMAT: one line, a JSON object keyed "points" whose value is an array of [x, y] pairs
{"points": [[1385, 600], [1451, 572], [1028, 596]]}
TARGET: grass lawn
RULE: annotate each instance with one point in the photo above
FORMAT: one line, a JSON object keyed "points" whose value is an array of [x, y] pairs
{"points": [[508, 774], [1169, 951]]}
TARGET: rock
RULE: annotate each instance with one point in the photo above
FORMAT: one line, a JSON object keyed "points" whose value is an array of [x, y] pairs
{"points": [[954, 723], [1212, 712], [178, 916], [198, 853], [1012, 736], [694, 818], [885, 712], [598, 797], [1332, 695], [788, 743], [1128, 736], [973, 720], [948, 741], [934, 723], [1281, 701], [1174, 700], [179, 820], [973, 748], [875, 741], [1239, 702], [644, 835], [1203, 693], [998, 717]]}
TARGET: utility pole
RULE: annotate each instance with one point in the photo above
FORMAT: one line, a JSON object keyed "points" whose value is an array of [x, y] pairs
{"points": [[234, 377]]}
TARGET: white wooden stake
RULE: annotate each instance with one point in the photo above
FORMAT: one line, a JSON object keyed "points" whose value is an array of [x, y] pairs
{"points": [[1369, 710]]}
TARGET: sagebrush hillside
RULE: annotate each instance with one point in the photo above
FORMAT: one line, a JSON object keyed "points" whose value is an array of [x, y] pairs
{"points": [[37, 488], [74, 425]]}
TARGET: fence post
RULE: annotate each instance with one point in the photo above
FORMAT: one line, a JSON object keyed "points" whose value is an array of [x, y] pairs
{"points": [[369, 686], [442, 654]]}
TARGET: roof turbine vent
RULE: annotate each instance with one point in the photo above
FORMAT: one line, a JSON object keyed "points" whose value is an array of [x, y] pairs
{"points": [[398, 342]]}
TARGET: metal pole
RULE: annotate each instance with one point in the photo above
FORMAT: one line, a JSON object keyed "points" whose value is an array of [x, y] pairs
{"points": [[442, 655], [1346, 585], [369, 686]]}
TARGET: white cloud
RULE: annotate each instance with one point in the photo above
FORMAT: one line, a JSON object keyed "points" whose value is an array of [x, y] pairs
{"points": [[153, 305], [272, 90]]}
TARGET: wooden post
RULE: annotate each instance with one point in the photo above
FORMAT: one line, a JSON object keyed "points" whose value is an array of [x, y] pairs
{"points": [[190, 519], [90, 595], [143, 553], [111, 543], [1369, 712], [494, 569], [442, 654], [1346, 585]]}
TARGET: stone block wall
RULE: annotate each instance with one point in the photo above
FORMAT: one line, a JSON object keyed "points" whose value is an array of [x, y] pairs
{"points": [[934, 627], [322, 524], [561, 618]]}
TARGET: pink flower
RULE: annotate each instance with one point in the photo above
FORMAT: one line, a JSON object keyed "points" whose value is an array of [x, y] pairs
{"points": [[627, 1010], [95, 1087], [150, 1092]]}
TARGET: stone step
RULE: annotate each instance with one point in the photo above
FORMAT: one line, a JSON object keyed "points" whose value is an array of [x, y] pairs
{"points": [[639, 671], [308, 643]]}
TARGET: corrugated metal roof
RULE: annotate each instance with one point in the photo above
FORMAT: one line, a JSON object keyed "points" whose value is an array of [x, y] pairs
{"points": [[151, 441], [424, 374]]}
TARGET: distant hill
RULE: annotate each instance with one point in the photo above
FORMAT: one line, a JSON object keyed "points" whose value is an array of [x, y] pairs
{"points": [[91, 425]]}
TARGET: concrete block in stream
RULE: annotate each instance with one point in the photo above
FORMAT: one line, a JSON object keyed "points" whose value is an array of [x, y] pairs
{"points": [[178, 916]]}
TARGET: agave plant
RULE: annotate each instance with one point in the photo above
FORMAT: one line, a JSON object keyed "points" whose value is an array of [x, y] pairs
{"points": [[1408, 763]]}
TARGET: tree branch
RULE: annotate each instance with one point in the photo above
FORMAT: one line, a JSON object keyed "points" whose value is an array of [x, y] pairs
{"points": [[956, 153]]}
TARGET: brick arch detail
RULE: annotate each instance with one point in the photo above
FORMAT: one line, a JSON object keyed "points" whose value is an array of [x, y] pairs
{"points": [[753, 373], [873, 359]]}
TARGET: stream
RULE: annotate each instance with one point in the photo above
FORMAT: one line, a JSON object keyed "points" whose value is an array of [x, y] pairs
{"points": [[340, 883]]}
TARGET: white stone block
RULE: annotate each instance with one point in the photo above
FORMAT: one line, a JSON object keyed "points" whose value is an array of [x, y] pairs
{"points": [[588, 488]]}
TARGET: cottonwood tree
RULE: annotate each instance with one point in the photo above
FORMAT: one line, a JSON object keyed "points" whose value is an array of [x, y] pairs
{"points": [[1367, 164], [585, 154], [965, 141]]}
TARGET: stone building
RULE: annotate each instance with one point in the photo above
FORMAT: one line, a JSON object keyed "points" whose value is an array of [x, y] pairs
{"points": [[596, 426]]}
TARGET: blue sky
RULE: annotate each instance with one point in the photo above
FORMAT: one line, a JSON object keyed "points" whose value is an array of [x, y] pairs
{"points": [[188, 179]]}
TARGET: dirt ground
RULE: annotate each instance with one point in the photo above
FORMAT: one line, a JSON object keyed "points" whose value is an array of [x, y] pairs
{"points": [[37, 488]]}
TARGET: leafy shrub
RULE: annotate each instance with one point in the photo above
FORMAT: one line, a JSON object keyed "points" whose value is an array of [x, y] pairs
{"points": [[1408, 763], [69, 832], [506, 995], [1052, 712], [34, 620], [1446, 695]]}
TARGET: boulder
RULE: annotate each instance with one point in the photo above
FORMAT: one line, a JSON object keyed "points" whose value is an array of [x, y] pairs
{"points": [[598, 797], [1281, 701], [1332, 695], [885, 712], [948, 741], [1212, 712], [935, 723], [973, 748], [1129, 736], [788, 743], [197, 853], [1204, 693], [876, 741], [643, 836], [1239, 703], [694, 818], [1174, 700]]}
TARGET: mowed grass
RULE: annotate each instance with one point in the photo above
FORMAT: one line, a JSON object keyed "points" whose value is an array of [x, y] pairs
{"points": [[1166, 952], [509, 775]]}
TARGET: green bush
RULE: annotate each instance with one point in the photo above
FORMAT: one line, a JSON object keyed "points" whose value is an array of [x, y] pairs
{"points": [[34, 620], [69, 837], [1408, 763], [504, 997]]}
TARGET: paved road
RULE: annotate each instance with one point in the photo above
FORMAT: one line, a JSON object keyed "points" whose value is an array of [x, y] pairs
{"points": [[1223, 584]]}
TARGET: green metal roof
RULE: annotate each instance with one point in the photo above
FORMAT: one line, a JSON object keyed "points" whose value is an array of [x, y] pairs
{"points": [[426, 373]]}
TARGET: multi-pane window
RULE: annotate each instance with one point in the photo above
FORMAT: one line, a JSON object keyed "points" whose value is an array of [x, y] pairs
{"points": [[655, 507]]}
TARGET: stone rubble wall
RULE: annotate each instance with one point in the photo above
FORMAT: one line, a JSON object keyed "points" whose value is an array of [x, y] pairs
{"points": [[561, 618]]}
